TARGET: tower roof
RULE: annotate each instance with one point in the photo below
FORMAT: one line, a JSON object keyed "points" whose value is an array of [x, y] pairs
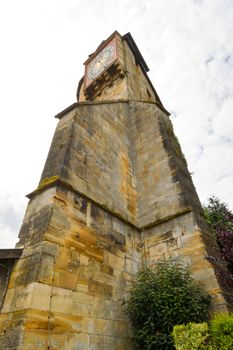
{"points": [[137, 54]]}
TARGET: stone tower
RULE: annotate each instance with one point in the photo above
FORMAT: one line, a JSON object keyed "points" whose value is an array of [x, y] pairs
{"points": [[115, 193]]}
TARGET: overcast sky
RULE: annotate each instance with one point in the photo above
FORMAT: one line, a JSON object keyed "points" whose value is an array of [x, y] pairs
{"points": [[188, 46]]}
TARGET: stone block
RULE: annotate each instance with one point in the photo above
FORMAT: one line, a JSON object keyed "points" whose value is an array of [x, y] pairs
{"points": [[36, 320], [158, 250], [114, 261], [40, 297], [61, 300], [77, 342], [43, 340]]}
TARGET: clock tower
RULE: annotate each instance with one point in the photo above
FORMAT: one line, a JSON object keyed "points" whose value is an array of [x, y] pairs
{"points": [[116, 70], [106, 56], [115, 194]]}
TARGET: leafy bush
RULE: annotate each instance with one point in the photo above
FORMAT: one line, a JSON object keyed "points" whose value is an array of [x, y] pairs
{"points": [[192, 336], [161, 298], [221, 332], [218, 335]]}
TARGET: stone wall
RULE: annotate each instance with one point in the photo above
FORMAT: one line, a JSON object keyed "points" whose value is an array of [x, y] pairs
{"points": [[91, 151], [181, 237], [67, 289], [115, 193], [125, 156]]}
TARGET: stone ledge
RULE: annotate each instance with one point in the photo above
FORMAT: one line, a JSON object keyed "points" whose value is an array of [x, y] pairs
{"points": [[58, 181], [77, 104]]}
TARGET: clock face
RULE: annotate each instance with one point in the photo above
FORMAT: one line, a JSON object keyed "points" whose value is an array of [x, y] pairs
{"points": [[100, 62]]}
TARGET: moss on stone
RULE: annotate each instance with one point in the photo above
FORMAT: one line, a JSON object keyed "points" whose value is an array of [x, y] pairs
{"points": [[46, 181]]}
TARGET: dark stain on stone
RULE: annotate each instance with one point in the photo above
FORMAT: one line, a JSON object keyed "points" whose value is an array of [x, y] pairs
{"points": [[97, 213], [80, 203], [35, 228], [83, 207]]}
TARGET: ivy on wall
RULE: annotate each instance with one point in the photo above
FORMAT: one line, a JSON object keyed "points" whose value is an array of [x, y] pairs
{"points": [[220, 219]]}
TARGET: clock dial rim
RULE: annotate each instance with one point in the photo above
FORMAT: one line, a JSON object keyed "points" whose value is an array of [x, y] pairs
{"points": [[90, 74], [97, 61]]}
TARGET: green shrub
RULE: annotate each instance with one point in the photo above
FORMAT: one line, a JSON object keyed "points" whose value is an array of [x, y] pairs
{"points": [[221, 331], [217, 336], [193, 336], [161, 298]]}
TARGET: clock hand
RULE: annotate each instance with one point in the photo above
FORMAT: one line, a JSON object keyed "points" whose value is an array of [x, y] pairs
{"points": [[102, 64], [104, 61]]}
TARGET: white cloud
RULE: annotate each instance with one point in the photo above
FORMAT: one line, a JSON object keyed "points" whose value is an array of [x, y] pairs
{"points": [[11, 210], [222, 124]]}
